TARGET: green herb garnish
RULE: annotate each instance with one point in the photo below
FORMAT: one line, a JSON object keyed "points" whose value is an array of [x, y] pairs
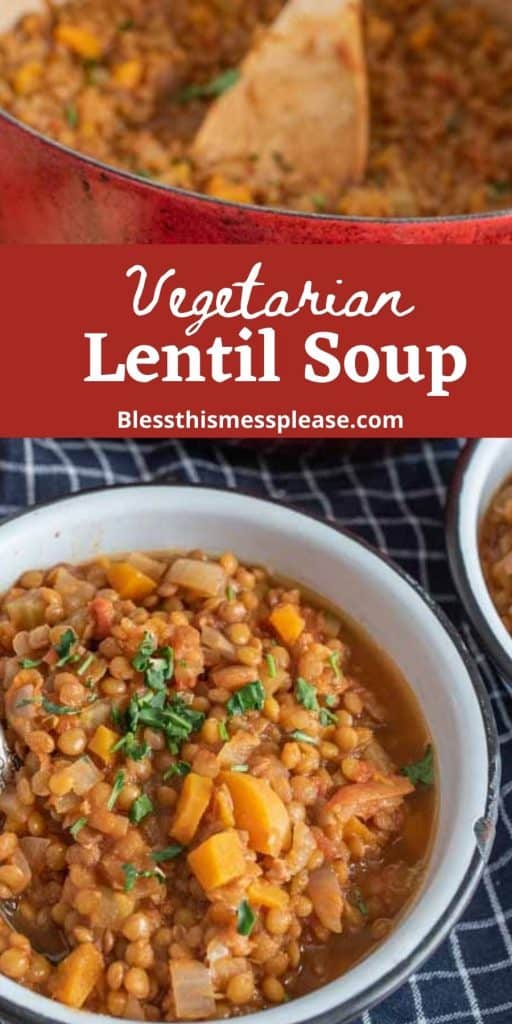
{"points": [[250, 697], [178, 768], [271, 665], [132, 874], [160, 669], [239, 767], [30, 662], [230, 593], [327, 718], [57, 709], [71, 115], [169, 853], [64, 645], [140, 808], [331, 700], [303, 737], [246, 919], [129, 746], [145, 649], [216, 87], [334, 662], [223, 730], [84, 666], [305, 693], [421, 771], [77, 826], [116, 790]]}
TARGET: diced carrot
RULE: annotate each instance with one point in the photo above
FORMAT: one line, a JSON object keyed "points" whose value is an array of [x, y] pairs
{"points": [[131, 584], [128, 74], [102, 742], [192, 803], [259, 811], [77, 975], [264, 894], [287, 622], [79, 40], [218, 860]]}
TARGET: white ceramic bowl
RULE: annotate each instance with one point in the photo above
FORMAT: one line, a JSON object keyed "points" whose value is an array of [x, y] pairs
{"points": [[482, 467], [399, 617]]}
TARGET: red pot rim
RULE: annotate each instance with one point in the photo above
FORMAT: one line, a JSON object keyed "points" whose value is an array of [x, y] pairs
{"points": [[265, 211]]}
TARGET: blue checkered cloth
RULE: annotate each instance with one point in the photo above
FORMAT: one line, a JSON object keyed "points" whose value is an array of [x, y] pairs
{"points": [[392, 494]]}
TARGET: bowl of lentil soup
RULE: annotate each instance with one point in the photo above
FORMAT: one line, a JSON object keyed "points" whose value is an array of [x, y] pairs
{"points": [[260, 772], [479, 543], [102, 102]]}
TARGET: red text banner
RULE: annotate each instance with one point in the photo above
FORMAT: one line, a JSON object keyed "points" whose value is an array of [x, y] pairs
{"points": [[245, 341]]}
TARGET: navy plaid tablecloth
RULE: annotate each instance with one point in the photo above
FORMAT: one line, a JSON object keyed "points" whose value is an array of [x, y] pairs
{"points": [[392, 494]]}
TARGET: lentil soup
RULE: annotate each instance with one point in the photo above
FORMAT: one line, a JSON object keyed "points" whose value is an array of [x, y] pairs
{"points": [[225, 791], [495, 546], [129, 82]]}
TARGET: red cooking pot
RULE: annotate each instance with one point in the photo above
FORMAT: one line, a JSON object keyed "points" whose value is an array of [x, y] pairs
{"points": [[51, 194]]}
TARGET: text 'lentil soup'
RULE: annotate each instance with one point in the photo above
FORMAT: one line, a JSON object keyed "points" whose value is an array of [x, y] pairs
{"points": [[225, 791], [129, 82]]}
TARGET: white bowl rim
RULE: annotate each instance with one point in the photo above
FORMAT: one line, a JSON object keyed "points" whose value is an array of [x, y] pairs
{"points": [[473, 591], [346, 1010]]}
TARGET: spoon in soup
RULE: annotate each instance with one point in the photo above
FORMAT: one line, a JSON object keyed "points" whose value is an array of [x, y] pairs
{"points": [[46, 939], [298, 110]]}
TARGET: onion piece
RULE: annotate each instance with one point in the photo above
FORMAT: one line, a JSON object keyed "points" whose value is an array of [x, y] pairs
{"points": [[75, 592], [34, 848], [84, 774], [325, 894], [206, 578], [216, 641], [192, 989], [149, 566]]}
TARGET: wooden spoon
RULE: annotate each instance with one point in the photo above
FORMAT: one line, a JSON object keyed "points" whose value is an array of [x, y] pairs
{"points": [[299, 109]]}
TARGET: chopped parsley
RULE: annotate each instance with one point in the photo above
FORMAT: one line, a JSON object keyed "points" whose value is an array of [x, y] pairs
{"points": [[331, 700], [167, 714], [327, 718], [223, 730], [303, 737], [271, 665], [230, 593], [158, 669], [168, 853], [64, 645], [334, 662], [250, 697], [246, 918], [178, 768], [421, 771], [84, 666], [57, 709], [140, 808], [116, 790], [77, 826], [30, 662], [305, 693], [71, 115], [216, 87], [129, 746], [319, 202], [146, 648], [132, 874]]}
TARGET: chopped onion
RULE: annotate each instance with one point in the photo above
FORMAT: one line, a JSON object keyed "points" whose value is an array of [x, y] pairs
{"points": [[34, 849], [96, 714], [75, 593], [85, 775], [325, 894], [216, 641], [192, 989], [149, 566], [206, 578]]}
